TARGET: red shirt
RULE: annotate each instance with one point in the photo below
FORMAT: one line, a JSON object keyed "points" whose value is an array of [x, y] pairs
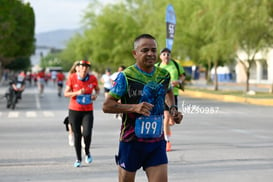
{"points": [[75, 84], [41, 74], [60, 77]]}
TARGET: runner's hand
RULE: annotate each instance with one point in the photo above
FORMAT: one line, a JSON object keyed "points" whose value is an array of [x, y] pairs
{"points": [[144, 108], [94, 97], [177, 116], [81, 91]]}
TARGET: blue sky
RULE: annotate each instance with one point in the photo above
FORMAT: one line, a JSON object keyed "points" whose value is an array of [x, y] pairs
{"points": [[59, 14]]}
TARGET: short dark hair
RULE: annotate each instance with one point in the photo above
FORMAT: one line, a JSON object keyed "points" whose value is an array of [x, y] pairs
{"points": [[123, 67], [142, 36], [165, 50]]}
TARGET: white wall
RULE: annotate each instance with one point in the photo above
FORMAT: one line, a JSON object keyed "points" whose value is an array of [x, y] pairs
{"points": [[257, 78]]}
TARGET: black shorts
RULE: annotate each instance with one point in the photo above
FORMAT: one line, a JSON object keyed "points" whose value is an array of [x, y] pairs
{"points": [[106, 90], [60, 84]]}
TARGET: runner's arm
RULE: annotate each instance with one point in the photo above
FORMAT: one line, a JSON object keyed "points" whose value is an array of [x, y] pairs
{"points": [[68, 92], [111, 105], [97, 92], [169, 99]]}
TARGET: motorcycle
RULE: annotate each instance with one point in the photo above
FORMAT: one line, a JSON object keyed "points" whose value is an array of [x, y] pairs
{"points": [[14, 94]]}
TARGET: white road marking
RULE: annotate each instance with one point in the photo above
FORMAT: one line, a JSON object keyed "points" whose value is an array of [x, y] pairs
{"points": [[48, 114], [31, 114], [13, 114], [28, 114]]}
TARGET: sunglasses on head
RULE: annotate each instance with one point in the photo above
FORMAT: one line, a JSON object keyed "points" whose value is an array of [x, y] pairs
{"points": [[84, 63]]}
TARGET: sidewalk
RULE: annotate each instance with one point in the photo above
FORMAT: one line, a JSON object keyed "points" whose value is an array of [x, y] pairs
{"points": [[229, 86]]}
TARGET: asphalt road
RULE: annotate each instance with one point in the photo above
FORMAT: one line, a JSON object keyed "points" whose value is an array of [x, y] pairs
{"points": [[217, 141]]}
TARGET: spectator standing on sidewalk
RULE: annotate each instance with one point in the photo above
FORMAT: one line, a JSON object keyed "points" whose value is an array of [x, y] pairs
{"points": [[142, 89], [80, 87], [177, 79]]}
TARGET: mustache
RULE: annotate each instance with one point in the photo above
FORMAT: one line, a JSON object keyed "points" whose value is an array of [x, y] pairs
{"points": [[150, 58]]}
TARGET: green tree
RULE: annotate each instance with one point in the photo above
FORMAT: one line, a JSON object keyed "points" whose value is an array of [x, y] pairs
{"points": [[109, 33], [253, 20], [207, 40], [16, 31], [210, 32], [20, 63], [107, 39], [71, 54], [50, 60], [221, 28]]}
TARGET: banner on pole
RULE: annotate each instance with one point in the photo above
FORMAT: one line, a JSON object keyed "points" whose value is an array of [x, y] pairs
{"points": [[170, 24]]}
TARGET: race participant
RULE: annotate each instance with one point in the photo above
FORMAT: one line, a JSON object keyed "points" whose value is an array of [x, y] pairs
{"points": [[41, 78], [107, 81], [60, 77], [79, 87], [178, 76], [142, 89]]}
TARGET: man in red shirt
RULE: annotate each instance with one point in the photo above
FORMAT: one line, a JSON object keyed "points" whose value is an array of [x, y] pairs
{"points": [[41, 78], [60, 77]]}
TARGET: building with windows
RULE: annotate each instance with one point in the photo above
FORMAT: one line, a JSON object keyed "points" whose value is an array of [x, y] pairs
{"points": [[261, 71]]}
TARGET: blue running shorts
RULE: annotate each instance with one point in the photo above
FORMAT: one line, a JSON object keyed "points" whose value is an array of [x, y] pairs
{"points": [[134, 155]]}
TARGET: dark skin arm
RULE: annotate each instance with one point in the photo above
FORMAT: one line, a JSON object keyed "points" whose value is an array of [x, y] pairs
{"points": [[111, 105], [169, 99]]}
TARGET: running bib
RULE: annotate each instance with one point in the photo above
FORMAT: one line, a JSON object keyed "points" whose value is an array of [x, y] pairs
{"points": [[84, 99], [149, 126]]}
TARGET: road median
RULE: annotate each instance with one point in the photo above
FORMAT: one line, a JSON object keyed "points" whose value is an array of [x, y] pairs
{"points": [[227, 98]]}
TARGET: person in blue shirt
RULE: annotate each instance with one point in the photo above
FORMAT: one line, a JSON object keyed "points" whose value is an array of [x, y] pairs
{"points": [[142, 89]]}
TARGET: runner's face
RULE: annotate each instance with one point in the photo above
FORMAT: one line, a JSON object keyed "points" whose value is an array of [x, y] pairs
{"points": [[145, 53], [82, 70], [165, 56]]}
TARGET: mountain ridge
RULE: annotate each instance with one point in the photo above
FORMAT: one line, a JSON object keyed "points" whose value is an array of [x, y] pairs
{"points": [[56, 38]]}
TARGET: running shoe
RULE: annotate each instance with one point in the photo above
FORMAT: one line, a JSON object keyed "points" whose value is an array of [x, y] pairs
{"points": [[168, 146], [77, 163], [88, 159]]}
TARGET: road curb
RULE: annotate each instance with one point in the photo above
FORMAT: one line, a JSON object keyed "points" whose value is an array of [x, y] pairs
{"points": [[227, 98]]}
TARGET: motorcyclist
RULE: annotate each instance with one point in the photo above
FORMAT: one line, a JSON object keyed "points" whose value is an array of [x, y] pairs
{"points": [[18, 84]]}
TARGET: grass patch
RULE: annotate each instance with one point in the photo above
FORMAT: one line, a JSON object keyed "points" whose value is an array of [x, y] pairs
{"points": [[258, 95]]}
